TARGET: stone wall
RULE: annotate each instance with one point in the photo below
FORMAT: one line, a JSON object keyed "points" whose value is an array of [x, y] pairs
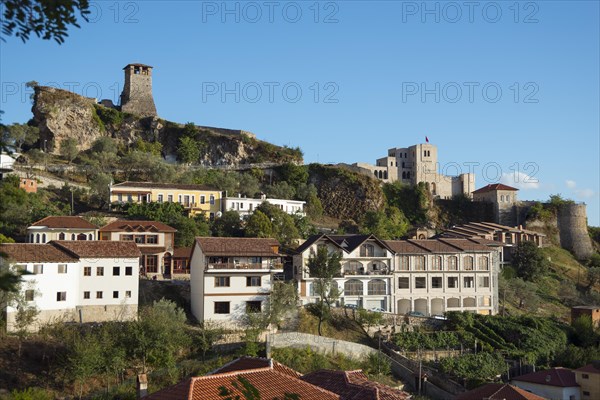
{"points": [[321, 344], [572, 225], [137, 95]]}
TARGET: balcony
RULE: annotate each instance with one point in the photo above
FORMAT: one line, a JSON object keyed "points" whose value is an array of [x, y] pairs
{"points": [[244, 266], [367, 272]]}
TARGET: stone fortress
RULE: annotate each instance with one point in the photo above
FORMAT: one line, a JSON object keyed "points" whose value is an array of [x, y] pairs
{"points": [[419, 163], [136, 97]]}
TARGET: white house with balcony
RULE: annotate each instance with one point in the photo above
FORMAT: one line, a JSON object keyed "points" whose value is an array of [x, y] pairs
{"points": [[81, 281], [246, 206], [365, 277], [438, 275], [232, 276]]}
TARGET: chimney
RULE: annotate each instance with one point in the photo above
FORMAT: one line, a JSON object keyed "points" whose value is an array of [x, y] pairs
{"points": [[142, 386]]}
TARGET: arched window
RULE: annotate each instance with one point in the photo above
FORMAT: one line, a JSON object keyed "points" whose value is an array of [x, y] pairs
{"points": [[90, 237], [385, 175], [43, 238], [376, 287], [37, 238], [375, 172], [483, 263], [468, 263], [433, 188], [501, 197], [82, 236], [353, 287], [61, 236], [452, 263], [73, 236], [408, 175], [437, 263], [403, 175]]}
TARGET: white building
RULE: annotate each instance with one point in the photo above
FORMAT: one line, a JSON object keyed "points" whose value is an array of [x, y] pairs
{"points": [[438, 275], [61, 228], [232, 276], [246, 206], [78, 281], [365, 277], [553, 384]]}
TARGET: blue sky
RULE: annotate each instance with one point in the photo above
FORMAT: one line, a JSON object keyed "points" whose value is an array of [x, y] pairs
{"points": [[512, 87]]}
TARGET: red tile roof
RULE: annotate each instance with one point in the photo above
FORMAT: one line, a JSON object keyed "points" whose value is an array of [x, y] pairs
{"points": [[29, 252], [156, 185], [495, 186], [353, 385], [99, 248], [182, 252], [245, 363], [65, 222], [126, 225], [498, 391], [269, 383], [251, 247], [590, 368], [427, 246], [561, 377]]}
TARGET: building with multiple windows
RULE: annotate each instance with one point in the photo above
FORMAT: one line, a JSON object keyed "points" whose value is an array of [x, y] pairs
{"points": [[155, 240], [504, 201], [196, 199], [61, 228], [232, 276], [246, 206], [366, 271], [82, 281], [588, 378]]}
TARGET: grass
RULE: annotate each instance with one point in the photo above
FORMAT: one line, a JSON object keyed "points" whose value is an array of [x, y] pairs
{"points": [[563, 263], [340, 327]]}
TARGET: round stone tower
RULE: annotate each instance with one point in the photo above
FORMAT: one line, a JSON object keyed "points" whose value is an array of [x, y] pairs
{"points": [[572, 226], [136, 97]]}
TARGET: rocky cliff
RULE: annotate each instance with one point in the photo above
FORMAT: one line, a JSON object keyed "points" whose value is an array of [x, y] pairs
{"points": [[60, 114]]}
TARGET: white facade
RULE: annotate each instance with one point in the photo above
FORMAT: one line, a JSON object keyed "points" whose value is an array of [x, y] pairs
{"points": [[365, 275], [550, 392], [246, 206], [225, 284], [74, 288], [61, 228]]}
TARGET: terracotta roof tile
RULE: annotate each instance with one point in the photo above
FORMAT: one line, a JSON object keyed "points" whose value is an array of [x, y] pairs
{"points": [[99, 248], [245, 363], [182, 252], [561, 377], [495, 186], [590, 368], [151, 249], [156, 185], [30, 252], [498, 391], [252, 247], [64, 222], [127, 225], [432, 246]]}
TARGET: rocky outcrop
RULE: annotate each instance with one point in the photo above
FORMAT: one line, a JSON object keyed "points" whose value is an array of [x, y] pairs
{"points": [[60, 115], [346, 194]]}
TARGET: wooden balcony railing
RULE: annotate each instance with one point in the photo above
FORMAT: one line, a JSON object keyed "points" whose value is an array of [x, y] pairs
{"points": [[244, 266]]}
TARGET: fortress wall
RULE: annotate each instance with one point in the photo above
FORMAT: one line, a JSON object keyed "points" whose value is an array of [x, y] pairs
{"points": [[572, 225]]}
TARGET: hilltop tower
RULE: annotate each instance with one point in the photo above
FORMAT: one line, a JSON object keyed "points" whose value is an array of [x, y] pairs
{"points": [[136, 97]]}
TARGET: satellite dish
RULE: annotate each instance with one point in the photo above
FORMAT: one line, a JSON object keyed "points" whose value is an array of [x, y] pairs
{"points": [[219, 214]]}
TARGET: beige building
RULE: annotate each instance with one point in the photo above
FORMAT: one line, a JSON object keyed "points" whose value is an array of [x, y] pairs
{"points": [[504, 199], [155, 240], [588, 378], [419, 163], [196, 199], [61, 228]]}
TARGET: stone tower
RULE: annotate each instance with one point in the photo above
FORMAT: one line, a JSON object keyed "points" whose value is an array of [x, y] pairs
{"points": [[136, 97]]}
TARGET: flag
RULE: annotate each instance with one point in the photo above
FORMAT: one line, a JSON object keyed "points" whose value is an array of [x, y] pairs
{"points": [[426, 139]]}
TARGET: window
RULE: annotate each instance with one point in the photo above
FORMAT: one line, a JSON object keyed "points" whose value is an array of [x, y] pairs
{"points": [[468, 282], [367, 250], [128, 271], [29, 295], [483, 263], [253, 281], [420, 263], [127, 238], [221, 307], [403, 283], [376, 287], [585, 376], [152, 264], [120, 198], [452, 263], [99, 271], [202, 199], [128, 294], [98, 295], [87, 271], [436, 282], [420, 283], [468, 263], [453, 282], [115, 294], [186, 200], [253, 306], [61, 236], [62, 268], [160, 198], [86, 295], [212, 199], [38, 269], [152, 239], [170, 198], [139, 239], [353, 287], [179, 198], [437, 263], [221, 281], [116, 271], [484, 281], [585, 393], [61, 296]]}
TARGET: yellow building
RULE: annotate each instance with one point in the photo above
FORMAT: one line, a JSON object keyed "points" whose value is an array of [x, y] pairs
{"points": [[588, 378], [196, 199]]}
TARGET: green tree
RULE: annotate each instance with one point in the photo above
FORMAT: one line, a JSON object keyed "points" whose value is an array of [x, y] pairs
{"points": [[188, 150], [47, 19], [154, 148], [84, 359], [282, 302], [99, 188], [283, 225], [324, 267], [523, 293], [529, 261], [21, 134], [259, 225], [104, 144], [391, 224], [205, 338], [228, 225], [593, 277], [584, 332], [478, 367], [68, 149], [314, 207], [281, 190], [6, 239]]}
